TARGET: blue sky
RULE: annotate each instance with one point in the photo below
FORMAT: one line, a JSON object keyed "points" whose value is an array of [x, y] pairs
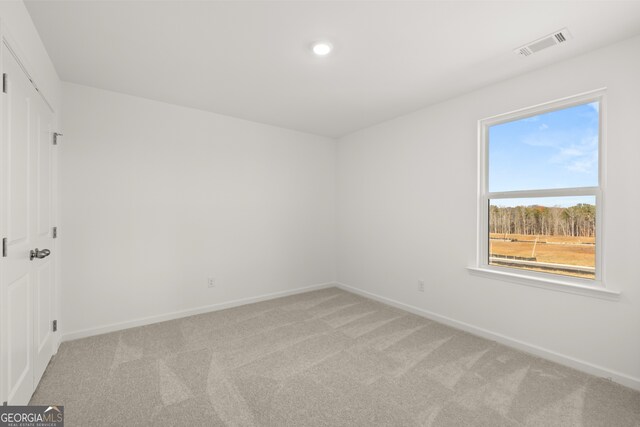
{"points": [[557, 149]]}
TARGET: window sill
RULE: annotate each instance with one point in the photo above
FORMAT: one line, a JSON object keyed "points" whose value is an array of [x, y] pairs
{"points": [[544, 283]]}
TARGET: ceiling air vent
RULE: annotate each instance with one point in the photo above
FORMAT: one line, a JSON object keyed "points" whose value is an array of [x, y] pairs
{"points": [[543, 43]]}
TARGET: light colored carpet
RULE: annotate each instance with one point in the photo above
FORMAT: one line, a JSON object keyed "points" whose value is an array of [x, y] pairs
{"points": [[323, 358]]}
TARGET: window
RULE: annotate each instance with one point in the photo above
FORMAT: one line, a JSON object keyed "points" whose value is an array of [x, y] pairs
{"points": [[541, 190]]}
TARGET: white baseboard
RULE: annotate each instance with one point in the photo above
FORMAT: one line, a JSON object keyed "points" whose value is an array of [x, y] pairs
{"points": [[569, 361], [68, 336]]}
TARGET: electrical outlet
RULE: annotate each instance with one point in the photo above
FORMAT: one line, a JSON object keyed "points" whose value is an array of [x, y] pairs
{"points": [[421, 286], [211, 282]]}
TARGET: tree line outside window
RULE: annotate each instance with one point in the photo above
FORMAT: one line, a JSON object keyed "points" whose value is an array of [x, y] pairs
{"points": [[575, 221]]}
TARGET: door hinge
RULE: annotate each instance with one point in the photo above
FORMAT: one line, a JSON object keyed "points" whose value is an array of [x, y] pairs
{"points": [[4, 247], [4, 83], [54, 232], [55, 137], [55, 326]]}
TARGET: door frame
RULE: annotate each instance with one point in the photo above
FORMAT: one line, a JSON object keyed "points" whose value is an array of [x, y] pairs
{"points": [[14, 48]]}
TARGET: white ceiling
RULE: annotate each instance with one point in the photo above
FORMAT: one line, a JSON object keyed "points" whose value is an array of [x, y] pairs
{"points": [[252, 59]]}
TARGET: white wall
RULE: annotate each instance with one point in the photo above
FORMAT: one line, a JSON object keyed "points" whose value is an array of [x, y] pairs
{"points": [[407, 192], [156, 198]]}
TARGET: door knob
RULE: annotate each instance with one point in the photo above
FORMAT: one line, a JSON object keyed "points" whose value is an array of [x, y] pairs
{"points": [[37, 253]]}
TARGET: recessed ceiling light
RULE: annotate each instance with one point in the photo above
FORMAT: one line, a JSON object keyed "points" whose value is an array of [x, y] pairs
{"points": [[322, 48]]}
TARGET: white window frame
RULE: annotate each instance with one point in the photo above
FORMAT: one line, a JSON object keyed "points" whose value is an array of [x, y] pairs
{"points": [[592, 287]]}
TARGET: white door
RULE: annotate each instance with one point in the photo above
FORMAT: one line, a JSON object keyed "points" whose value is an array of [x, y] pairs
{"points": [[41, 124], [27, 282]]}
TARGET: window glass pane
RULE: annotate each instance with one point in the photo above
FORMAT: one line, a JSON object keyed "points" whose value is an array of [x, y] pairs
{"points": [[548, 234], [558, 149]]}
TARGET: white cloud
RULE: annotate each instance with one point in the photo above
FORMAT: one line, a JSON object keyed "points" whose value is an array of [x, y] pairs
{"points": [[581, 157], [571, 152]]}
